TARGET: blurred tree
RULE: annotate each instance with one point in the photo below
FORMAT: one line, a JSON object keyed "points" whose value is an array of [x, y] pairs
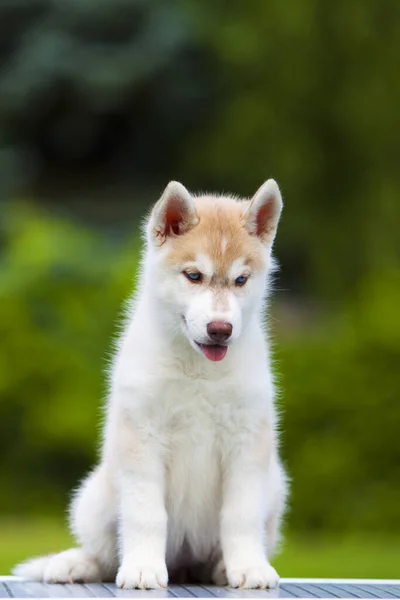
{"points": [[305, 91], [94, 82], [311, 96]]}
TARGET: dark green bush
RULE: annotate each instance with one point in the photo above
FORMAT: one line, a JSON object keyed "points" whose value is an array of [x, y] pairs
{"points": [[342, 414]]}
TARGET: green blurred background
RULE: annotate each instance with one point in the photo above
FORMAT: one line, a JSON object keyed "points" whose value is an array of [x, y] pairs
{"points": [[101, 104]]}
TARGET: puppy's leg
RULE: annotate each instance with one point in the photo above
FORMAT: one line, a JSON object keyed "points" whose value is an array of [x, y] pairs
{"points": [[93, 521], [278, 491], [143, 517], [245, 508]]}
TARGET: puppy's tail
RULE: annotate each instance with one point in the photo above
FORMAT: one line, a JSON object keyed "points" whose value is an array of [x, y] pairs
{"points": [[70, 566], [33, 569]]}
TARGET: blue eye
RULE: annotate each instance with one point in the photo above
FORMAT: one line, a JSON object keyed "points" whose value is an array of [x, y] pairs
{"points": [[194, 276], [241, 280]]}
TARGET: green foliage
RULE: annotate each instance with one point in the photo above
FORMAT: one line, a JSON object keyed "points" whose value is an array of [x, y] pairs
{"points": [[342, 415], [61, 289], [62, 286]]}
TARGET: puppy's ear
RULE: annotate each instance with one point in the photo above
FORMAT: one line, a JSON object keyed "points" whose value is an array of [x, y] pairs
{"points": [[262, 216], [173, 215]]}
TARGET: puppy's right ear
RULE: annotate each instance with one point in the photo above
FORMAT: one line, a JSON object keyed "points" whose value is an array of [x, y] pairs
{"points": [[173, 215], [262, 216]]}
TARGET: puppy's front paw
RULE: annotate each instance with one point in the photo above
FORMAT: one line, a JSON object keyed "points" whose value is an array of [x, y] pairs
{"points": [[144, 577], [261, 576]]}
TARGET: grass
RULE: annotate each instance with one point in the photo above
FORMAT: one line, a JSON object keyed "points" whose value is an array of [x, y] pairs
{"points": [[360, 556]]}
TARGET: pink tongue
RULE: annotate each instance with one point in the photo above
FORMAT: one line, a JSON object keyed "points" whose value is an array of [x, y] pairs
{"points": [[214, 353]]}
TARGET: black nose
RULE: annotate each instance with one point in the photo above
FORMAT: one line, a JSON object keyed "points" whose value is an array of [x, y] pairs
{"points": [[219, 331]]}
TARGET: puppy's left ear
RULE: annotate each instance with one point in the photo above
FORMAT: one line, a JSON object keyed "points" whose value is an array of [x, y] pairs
{"points": [[262, 216]]}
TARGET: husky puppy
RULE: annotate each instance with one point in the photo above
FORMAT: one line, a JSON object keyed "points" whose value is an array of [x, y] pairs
{"points": [[189, 477]]}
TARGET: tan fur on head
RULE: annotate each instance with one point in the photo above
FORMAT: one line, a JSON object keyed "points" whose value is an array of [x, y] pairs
{"points": [[221, 227], [220, 220]]}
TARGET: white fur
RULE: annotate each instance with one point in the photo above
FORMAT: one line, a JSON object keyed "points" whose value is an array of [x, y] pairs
{"points": [[189, 474]]}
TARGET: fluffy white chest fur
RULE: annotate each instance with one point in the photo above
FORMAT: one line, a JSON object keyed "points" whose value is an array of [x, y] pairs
{"points": [[189, 483]]}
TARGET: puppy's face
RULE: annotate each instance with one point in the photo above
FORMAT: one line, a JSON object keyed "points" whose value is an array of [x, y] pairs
{"points": [[211, 256]]}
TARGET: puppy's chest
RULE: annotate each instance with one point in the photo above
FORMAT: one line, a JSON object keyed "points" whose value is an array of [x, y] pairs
{"points": [[200, 416], [194, 425], [202, 425], [195, 437]]}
